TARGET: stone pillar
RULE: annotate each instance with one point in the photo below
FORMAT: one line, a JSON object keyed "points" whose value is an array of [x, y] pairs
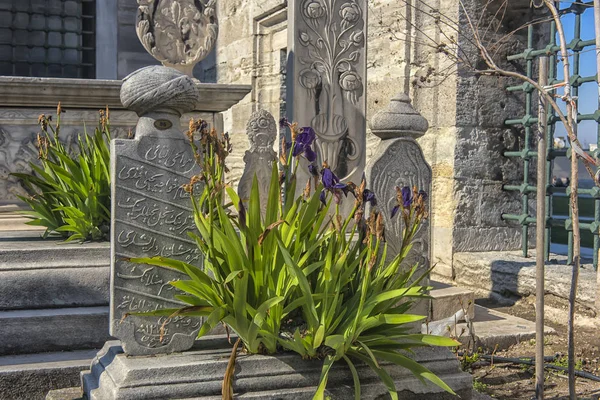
{"points": [[399, 161], [327, 72]]}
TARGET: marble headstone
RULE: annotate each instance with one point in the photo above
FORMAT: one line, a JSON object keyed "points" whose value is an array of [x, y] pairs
{"points": [[399, 161], [259, 159], [178, 33], [327, 91], [151, 212]]}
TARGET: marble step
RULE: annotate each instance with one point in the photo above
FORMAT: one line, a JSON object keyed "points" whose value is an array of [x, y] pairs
{"points": [[37, 331], [448, 300], [46, 274], [32, 376]]}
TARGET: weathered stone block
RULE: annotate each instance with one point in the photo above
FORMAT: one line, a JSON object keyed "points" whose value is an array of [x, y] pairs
{"points": [[199, 373], [448, 301]]}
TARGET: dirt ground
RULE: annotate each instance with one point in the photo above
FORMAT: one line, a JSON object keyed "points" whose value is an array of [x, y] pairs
{"points": [[514, 381]]}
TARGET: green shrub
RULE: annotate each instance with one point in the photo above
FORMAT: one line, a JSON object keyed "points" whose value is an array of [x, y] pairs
{"points": [[300, 278], [70, 188]]}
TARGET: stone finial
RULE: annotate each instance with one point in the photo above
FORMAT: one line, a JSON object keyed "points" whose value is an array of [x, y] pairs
{"points": [[400, 119], [262, 132], [159, 88], [178, 33]]}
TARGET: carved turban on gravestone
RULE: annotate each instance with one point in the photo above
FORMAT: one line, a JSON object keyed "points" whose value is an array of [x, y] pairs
{"points": [[159, 88]]}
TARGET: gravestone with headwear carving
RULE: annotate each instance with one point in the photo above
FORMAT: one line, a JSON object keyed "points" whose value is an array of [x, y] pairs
{"points": [[398, 161], [259, 159], [151, 212]]}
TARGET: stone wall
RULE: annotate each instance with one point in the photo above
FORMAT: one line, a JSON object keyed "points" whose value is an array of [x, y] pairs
{"points": [[466, 138]]}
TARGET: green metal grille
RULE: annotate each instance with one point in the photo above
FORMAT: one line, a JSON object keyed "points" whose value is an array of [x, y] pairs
{"points": [[48, 38], [529, 122]]}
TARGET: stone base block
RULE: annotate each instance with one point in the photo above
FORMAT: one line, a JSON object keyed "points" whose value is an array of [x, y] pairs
{"points": [[198, 374], [37, 331], [447, 301]]}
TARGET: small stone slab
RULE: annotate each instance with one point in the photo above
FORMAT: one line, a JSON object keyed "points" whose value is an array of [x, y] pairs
{"points": [[446, 302], [198, 374], [497, 330]]}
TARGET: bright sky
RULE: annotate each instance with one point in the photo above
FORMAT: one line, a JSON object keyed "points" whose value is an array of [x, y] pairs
{"points": [[588, 92]]}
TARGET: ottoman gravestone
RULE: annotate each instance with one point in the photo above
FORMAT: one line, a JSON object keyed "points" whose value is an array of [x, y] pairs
{"points": [[262, 132], [327, 68], [152, 212], [398, 161]]}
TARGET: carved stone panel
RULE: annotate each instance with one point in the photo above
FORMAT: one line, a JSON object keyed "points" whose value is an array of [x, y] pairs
{"points": [[178, 33], [151, 217], [400, 162], [327, 68], [262, 132]]}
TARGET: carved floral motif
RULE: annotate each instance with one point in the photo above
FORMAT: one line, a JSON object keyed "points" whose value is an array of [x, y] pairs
{"points": [[333, 38], [178, 33]]}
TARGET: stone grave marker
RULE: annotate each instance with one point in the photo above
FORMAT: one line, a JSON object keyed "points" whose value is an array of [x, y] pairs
{"points": [[262, 132], [327, 68], [152, 212]]}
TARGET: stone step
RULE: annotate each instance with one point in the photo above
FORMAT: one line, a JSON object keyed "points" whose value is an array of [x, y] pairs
{"points": [[447, 301], [495, 330], [32, 376], [48, 274], [37, 331]]}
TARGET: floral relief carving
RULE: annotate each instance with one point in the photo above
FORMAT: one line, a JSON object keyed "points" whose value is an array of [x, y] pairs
{"points": [[178, 33], [333, 39]]}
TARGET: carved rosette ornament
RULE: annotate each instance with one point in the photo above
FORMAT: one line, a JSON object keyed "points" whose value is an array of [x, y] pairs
{"points": [[329, 70], [178, 33]]}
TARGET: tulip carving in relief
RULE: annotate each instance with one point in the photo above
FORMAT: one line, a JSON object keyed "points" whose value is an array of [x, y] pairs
{"points": [[333, 38], [178, 33]]}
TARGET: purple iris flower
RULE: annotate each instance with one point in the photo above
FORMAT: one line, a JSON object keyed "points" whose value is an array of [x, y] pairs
{"points": [[329, 179], [313, 170], [407, 197], [304, 143], [369, 197], [423, 195], [332, 183], [395, 210], [322, 197]]}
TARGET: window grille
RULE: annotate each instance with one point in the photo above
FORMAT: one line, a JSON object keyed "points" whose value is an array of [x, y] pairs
{"points": [[558, 210], [48, 38]]}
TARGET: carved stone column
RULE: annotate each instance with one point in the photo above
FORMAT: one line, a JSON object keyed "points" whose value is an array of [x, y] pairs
{"points": [[328, 73], [399, 161]]}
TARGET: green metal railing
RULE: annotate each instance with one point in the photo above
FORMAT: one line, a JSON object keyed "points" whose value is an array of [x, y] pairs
{"points": [[529, 122]]}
